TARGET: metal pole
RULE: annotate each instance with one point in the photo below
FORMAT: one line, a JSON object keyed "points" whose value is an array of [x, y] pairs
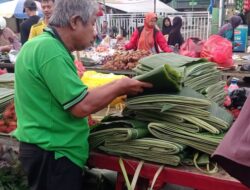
{"points": [[221, 12], [104, 3], [154, 6]]}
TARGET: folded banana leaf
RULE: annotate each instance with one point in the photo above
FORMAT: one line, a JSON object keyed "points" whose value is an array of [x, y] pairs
{"points": [[172, 59], [197, 69], [170, 79], [204, 142], [121, 130], [150, 149]]}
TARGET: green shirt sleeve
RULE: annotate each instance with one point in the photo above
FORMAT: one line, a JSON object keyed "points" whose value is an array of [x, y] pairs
{"points": [[60, 76]]}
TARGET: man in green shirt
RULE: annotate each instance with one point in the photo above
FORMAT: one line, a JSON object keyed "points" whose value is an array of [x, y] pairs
{"points": [[52, 103]]}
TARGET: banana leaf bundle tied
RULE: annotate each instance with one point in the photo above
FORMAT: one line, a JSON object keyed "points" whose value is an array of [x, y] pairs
{"points": [[150, 149], [205, 142], [169, 77], [117, 131]]}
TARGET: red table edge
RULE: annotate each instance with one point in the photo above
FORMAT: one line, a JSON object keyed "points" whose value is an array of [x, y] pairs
{"points": [[168, 175]]}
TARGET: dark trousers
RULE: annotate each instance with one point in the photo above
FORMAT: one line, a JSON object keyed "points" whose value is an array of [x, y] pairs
{"points": [[46, 173]]}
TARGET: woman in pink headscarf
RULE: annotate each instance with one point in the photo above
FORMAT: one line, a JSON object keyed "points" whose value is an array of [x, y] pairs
{"points": [[148, 37]]}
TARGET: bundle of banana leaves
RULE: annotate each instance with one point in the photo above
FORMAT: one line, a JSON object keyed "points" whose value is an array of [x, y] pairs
{"points": [[7, 80], [196, 73], [117, 131], [203, 141], [186, 117], [6, 96], [216, 92], [151, 149]]}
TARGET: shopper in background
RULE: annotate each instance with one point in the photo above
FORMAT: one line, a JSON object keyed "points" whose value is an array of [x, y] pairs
{"points": [[148, 37], [166, 26], [47, 8], [227, 30], [30, 9], [52, 103], [175, 38], [104, 29], [7, 35]]}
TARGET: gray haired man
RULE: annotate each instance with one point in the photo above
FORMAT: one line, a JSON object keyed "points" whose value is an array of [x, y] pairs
{"points": [[52, 103]]}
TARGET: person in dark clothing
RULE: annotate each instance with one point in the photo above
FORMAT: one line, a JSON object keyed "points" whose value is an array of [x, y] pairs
{"points": [[166, 26], [175, 38], [227, 30], [30, 9]]}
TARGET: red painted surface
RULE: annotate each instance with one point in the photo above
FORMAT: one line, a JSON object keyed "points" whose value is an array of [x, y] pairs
{"points": [[183, 176]]}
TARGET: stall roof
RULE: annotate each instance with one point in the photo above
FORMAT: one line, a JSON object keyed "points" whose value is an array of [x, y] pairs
{"points": [[131, 6], [7, 8]]}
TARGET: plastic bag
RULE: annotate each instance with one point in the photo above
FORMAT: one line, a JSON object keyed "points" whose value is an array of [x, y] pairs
{"points": [[219, 50], [192, 47], [94, 79]]}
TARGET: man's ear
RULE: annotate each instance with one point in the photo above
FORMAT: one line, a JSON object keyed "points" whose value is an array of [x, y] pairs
{"points": [[74, 21]]}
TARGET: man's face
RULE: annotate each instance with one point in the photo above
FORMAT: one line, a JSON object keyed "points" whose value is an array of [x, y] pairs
{"points": [[47, 8], [85, 34]]}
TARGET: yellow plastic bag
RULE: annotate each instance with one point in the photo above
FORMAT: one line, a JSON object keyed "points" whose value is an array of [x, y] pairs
{"points": [[94, 79]]}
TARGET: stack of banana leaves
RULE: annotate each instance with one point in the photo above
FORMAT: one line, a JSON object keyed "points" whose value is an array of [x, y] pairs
{"points": [[199, 74], [7, 80], [130, 137], [6, 96], [187, 117]]}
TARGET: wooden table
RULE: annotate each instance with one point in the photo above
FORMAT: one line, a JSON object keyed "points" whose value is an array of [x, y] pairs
{"points": [[184, 176]]}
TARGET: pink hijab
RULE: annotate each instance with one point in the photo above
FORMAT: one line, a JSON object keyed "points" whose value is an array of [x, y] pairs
{"points": [[146, 41]]}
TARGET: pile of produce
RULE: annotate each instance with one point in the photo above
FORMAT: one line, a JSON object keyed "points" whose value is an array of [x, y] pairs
{"points": [[8, 122], [7, 80], [125, 60]]}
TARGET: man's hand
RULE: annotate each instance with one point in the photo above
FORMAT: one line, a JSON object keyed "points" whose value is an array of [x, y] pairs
{"points": [[131, 86]]}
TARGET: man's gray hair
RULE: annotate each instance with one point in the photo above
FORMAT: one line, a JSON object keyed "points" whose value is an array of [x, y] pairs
{"points": [[65, 9]]}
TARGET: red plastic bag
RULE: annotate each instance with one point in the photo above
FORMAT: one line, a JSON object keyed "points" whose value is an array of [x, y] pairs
{"points": [[192, 47], [219, 50]]}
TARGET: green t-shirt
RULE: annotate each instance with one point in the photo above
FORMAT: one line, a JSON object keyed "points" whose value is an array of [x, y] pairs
{"points": [[46, 85]]}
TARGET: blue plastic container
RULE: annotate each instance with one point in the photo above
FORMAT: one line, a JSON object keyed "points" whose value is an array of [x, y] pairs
{"points": [[240, 37]]}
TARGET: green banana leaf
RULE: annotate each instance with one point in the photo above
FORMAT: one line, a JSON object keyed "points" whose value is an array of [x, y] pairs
{"points": [[120, 130], [170, 79], [151, 149], [204, 142]]}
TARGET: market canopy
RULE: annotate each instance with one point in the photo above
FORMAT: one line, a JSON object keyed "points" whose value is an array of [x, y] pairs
{"points": [[133, 6], [8, 8]]}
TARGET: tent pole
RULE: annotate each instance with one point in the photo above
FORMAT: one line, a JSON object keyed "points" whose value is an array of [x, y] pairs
{"points": [[154, 6]]}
